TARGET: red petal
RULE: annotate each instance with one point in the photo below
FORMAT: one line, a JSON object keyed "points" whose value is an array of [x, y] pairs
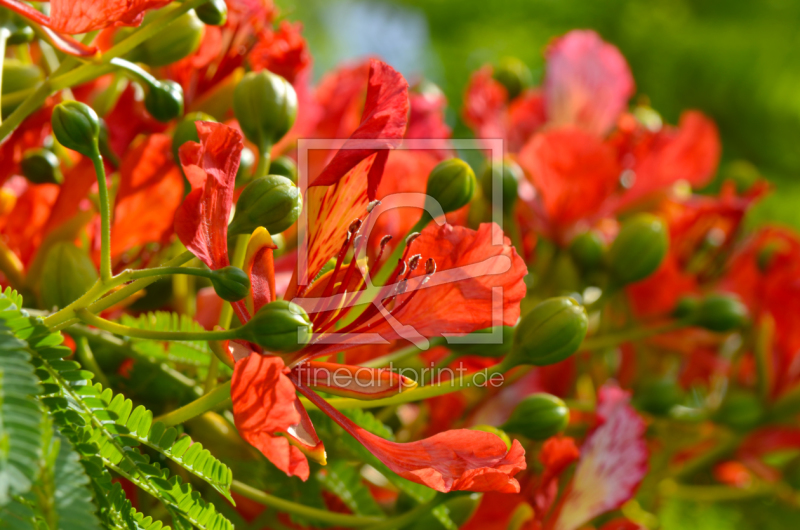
{"points": [[283, 52], [459, 297], [613, 462], [352, 381], [81, 16], [588, 83], [526, 115], [426, 119], [266, 410], [485, 105], [450, 461], [573, 171], [149, 182], [201, 222], [383, 124], [260, 266]]}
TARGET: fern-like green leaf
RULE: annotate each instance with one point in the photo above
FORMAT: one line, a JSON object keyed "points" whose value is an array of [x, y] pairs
{"points": [[72, 498], [96, 422], [190, 353], [20, 415], [344, 480]]}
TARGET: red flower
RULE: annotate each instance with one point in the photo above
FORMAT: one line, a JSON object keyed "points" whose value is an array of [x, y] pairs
{"points": [[283, 51], [588, 82], [70, 17], [266, 408]]}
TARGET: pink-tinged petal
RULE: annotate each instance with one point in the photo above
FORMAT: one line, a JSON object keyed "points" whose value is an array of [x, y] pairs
{"points": [[477, 284], [587, 82], [352, 381], [201, 222], [450, 461], [81, 16], [383, 124], [330, 210], [612, 465], [689, 152], [259, 264], [149, 182], [574, 171], [268, 414]]}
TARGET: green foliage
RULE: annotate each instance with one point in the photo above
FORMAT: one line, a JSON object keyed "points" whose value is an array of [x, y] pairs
{"points": [[344, 480], [106, 431], [186, 353]]}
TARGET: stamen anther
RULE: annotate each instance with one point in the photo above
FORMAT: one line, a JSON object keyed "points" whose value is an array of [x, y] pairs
{"points": [[414, 261], [411, 237], [385, 240], [354, 226], [430, 266], [371, 206]]}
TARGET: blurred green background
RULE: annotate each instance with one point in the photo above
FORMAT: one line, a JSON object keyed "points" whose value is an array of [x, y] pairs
{"points": [[736, 60]]}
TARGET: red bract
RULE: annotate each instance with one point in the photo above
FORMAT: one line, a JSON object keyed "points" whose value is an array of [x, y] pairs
{"points": [[282, 51], [588, 82]]}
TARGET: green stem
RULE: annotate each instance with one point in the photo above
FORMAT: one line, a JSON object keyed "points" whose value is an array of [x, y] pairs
{"points": [[105, 217], [410, 516], [264, 160], [324, 516], [87, 359], [89, 300], [65, 76], [218, 397], [160, 272], [127, 331], [614, 339], [213, 373], [134, 71]]}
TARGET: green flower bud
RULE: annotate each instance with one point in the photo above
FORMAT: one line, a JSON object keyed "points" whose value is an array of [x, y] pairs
{"points": [[485, 350], [273, 202], [76, 127], [686, 307], [639, 249], [588, 250], [41, 166], [510, 173], [494, 430], [18, 76], [67, 274], [720, 312], [246, 162], [538, 417], [450, 185], [164, 101], [741, 410], [230, 283], [514, 75], [279, 327], [657, 395], [213, 12], [178, 40], [550, 333], [266, 106], [284, 166]]}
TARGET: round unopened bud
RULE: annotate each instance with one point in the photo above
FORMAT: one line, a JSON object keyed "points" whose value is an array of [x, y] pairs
{"points": [[20, 76], [514, 75], [588, 250], [213, 12], [186, 131], [67, 274], [180, 39], [22, 35], [450, 185], [266, 106], [686, 307], [273, 202], [657, 395], [285, 167], [639, 249], [41, 166], [509, 174], [741, 410], [538, 417], [474, 343], [720, 312], [164, 101], [230, 283], [550, 333], [280, 327], [76, 127]]}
